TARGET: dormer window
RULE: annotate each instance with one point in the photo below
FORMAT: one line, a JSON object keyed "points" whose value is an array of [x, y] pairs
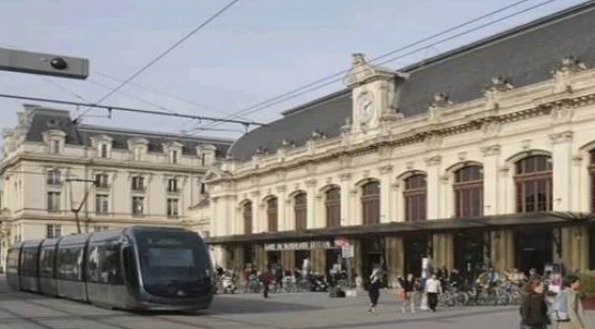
{"points": [[138, 148], [103, 150], [55, 147], [137, 153], [54, 139], [102, 145], [173, 151], [206, 153], [174, 156]]}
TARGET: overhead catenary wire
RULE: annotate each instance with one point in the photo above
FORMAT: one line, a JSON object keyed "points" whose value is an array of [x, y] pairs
{"points": [[129, 109], [163, 54], [318, 84]]}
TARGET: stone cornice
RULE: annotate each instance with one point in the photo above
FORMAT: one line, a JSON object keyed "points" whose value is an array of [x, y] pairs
{"points": [[540, 107], [98, 163]]}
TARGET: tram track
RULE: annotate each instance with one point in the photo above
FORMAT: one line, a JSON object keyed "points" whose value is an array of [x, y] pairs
{"points": [[108, 323]]}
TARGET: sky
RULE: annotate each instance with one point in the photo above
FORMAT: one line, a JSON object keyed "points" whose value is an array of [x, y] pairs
{"points": [[257, 50]]}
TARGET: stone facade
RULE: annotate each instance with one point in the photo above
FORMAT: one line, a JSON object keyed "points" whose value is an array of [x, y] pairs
{"points": [[128, 177], [551, 119]]}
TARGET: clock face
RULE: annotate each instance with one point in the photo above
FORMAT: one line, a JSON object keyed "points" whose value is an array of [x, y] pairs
{"points": [[366, 109]]}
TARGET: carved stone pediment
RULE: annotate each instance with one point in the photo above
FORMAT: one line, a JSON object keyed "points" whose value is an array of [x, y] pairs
{"points": [[361, 72]]}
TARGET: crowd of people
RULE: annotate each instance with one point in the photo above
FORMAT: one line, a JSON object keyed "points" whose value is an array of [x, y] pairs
{"points": [[540, 308]]}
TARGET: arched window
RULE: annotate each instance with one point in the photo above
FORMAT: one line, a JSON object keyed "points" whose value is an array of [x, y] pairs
{"points": [[332, 204], [371, 202], [415, 195], [272, 214], [301, 211], [247, 214], [533, 179], [468, 188], [592, 171]]}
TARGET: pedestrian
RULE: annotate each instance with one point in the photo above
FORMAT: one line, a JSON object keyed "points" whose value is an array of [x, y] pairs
{"points": [[374, 290], [568, 308], [533, 306], [433, 288], [265, 278], [407, 292]]}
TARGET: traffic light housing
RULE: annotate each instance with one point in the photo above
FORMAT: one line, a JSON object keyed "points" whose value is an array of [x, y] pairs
{"points": [[43, 64]]}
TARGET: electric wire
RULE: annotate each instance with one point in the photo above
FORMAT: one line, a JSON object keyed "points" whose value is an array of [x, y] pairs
{"points": [[305, 89], [163, 54]]}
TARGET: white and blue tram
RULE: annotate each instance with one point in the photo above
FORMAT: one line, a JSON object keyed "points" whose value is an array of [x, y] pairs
{"points": [[136, 268]]}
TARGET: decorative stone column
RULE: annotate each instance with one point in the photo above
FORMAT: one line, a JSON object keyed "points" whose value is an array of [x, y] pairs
{"points": [[318, 257], [562, 169], [282, 219], [491, 159], [260, 257], [575, 248], [433, 181], [288, 259], [311, 210], [385, 193], [443, 245], [395, 258], [238, 258], [346, 214], [502, 251]]}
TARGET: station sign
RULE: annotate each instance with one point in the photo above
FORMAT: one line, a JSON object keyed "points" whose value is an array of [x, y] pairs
{"points": [[304, 245]]}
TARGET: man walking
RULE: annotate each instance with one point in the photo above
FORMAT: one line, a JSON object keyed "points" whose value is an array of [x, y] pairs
{"points": [[433, 288]]}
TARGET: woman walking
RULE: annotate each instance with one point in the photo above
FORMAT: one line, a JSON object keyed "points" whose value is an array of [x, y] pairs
{"points": [[374, 290], [533, 306], [575, 314], [407, 292]]}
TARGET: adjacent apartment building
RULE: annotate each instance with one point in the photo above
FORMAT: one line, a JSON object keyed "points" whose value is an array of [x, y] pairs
{"points": [[484, 155], [54, 171]]}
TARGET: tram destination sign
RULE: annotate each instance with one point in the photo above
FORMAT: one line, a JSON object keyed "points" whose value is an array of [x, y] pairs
{"points": [[305, 245]]}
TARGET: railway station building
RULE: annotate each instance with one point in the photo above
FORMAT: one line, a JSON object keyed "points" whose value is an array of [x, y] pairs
{"points": [[483, 155]]}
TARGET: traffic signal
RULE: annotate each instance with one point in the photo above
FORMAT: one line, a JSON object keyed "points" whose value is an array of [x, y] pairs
{"points": [[43, 64]]}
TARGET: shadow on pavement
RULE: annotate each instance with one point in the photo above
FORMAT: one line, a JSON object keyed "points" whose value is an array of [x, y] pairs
{"points": [[241, 306], [436, 318]]}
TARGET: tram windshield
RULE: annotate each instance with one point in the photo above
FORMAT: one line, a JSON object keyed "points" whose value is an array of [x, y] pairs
{"points": [[171, 256]]}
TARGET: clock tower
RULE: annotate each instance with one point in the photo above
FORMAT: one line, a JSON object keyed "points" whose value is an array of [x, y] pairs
{"points": [[374, 94]]}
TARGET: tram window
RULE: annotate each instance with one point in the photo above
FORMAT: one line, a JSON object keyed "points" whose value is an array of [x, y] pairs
{"points": [[104, 265], [46, 261], [92, 264], [70, 263], [29, 262]]}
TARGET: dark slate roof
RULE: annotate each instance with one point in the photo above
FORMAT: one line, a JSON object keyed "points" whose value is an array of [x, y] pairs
{"points": [[523, 55], [44, 119], [327, 115]]}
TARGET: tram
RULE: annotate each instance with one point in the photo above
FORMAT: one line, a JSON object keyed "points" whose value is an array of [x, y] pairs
{"points": [[136, 268]]}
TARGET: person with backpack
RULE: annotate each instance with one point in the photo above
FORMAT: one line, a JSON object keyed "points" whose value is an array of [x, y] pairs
{"points": [[534, 313], [567, 310]]}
